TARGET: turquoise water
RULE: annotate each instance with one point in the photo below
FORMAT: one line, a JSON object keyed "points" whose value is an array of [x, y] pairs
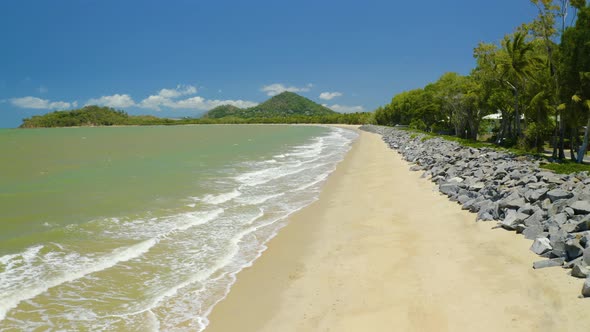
{"points": [[144, 228]]}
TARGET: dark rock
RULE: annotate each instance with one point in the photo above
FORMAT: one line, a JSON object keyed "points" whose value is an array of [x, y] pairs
{"points": [[586, 288], [580, 271], [557, 194], [577, 226], [569, 211], [581, 207], [573, 249]]}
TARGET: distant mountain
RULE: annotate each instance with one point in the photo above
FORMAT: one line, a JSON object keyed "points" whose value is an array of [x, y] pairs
{"points": [[222, 111], [282, 105], [90, 116]]}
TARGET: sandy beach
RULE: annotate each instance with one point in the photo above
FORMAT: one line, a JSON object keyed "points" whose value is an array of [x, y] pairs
{"points": [[382, 250]]}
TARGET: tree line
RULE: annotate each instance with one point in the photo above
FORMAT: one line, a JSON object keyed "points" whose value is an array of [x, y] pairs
{"points": [[535, 82], [106, 116]]}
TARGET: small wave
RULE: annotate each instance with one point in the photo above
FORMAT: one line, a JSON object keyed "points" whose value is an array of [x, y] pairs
{"points": [[35, 272], [255, 200], [15, 293], [221, 198]]}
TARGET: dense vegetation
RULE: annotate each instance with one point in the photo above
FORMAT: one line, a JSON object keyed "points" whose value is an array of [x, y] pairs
{"points": [[222, 112], [89, 116], [537, 79], [286, 104], [105, 116]]}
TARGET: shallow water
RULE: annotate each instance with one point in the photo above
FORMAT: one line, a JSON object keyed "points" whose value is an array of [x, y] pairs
{"points": [[144, 228]]}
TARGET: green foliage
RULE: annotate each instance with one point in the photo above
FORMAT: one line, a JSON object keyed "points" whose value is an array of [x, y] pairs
{"points": [[567, 167], [418, 124], [86, 116], [527, 79], [223, 111], [105, 116], [285, 104], [284, 108]]}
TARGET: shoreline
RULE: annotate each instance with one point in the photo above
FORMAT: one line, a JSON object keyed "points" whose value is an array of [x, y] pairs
{"points": [[368, 255]]}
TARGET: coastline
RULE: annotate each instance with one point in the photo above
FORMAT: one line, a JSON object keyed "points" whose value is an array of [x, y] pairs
{"points": [[368, 255]]}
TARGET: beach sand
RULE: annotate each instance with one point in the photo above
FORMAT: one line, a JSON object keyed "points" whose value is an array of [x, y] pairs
{"points": [[382, 250]]}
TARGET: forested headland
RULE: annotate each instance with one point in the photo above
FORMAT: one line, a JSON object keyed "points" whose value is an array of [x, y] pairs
{"points": [[531, 89], [286, 107]]}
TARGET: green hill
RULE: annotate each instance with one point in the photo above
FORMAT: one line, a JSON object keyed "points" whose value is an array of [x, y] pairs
{"points": [[89, 116], [222, 111], [286, 104]]}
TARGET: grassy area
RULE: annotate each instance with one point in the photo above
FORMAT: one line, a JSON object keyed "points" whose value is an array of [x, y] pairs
{"points": [[567, 167], [562, 167], [471, 143]]}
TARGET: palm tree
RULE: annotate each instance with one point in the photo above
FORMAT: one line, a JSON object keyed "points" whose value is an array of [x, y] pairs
{"points": [[516, 66]]}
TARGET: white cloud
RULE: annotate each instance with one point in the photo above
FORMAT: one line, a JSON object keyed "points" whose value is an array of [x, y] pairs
{"points": [[169, 98], [330, 95], [116, 101], [38, 103], [276, 88], [345, 108], [42, 89], [193, 103], [180, 90], [199, 103]]}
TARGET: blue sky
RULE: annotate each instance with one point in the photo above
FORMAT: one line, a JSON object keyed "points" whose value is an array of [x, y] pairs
{"points": [[181, 57]]}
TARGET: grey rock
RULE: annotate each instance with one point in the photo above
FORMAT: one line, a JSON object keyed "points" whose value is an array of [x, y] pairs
{"points": [[456, 180], [560, 218], [577, 225], [463, 199], [586, 288], [548, 263], [449, 189], [581, 207], [489, 211], [557, 194], [535, 219], [527, 209], [512, 219], [580, 271], [514, 204], [558, 238], [477, 186], [532, 232], [586, 256], [541, 246], [505, 202]]}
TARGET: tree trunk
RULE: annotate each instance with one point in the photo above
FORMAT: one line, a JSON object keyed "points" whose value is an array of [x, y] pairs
{"points": [[573, 141], [516, 113], [554, 140], [561, 138], [584, 146], [502, 132]]}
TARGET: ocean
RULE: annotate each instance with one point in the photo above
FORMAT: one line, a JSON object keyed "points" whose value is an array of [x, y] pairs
{"points": [[145, 228]]}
